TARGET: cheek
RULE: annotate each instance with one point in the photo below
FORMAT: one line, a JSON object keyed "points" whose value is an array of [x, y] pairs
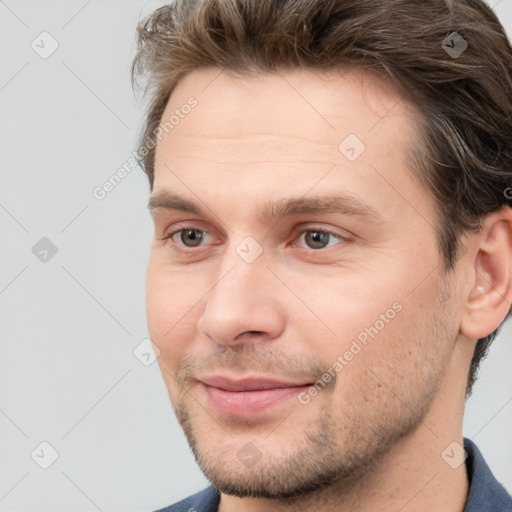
{"points": [[347, 308], [172, 302], [372, 366], [373, 324]]}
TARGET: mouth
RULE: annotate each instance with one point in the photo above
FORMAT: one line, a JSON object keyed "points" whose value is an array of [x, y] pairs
{"points": [[250, 396]]}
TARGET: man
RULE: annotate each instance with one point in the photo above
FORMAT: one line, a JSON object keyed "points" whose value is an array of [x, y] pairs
{"points": [[332, 249]]}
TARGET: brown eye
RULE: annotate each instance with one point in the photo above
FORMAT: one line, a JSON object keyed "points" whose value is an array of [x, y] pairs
{"points": [[317, 239], [191, 237]]}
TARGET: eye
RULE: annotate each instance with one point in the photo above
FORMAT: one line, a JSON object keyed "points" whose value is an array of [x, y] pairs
{"points": [[319, 239], [188, 236]]}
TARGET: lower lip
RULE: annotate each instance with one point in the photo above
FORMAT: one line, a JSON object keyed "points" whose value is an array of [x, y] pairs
{"points": [[249, 403]]}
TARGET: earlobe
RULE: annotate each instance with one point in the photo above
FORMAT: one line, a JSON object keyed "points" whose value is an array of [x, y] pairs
{"points": [[488, 301]]}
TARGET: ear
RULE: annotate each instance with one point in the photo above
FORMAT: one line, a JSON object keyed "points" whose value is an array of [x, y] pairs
{"points": [[487, 299]]}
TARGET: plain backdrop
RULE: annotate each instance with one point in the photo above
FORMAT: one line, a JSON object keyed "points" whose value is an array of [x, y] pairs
{"points": [[72, 278]]}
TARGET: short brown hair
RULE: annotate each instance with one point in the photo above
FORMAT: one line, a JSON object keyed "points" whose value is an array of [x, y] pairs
{"points": [[465, 155]]}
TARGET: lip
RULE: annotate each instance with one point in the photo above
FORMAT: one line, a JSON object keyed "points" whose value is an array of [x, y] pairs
{"points": [[248, 396]]}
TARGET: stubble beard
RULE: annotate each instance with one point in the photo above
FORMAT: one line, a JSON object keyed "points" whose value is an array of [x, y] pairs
{"points": [[335, 451], [320, 461]]}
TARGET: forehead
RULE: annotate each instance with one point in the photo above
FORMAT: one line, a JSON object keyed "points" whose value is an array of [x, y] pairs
{"points": [[312, 96], [294, 115], [284, 130]]}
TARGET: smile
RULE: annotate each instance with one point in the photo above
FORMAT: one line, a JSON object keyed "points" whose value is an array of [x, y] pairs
{"points": [[248, 397]]}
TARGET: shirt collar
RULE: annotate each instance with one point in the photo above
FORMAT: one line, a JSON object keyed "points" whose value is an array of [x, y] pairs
{"points": [[485, 492]]}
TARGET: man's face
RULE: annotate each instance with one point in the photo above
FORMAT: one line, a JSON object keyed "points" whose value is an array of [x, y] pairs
{"points": [[251, 308]]}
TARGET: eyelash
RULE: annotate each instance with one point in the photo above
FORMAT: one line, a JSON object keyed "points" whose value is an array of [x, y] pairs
{"points": [[311, 229]]}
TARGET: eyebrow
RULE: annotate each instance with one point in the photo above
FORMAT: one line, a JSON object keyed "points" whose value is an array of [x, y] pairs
{"points": [[345, 204]]}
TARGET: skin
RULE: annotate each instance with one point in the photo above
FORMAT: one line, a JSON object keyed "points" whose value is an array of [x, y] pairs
{"points": [[373, 438]]}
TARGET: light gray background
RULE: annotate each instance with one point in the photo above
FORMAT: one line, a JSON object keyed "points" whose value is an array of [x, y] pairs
{"points": [[69, 325]]}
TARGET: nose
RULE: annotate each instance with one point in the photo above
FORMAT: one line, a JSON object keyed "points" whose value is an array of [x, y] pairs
{"points": [[243, 306]]}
